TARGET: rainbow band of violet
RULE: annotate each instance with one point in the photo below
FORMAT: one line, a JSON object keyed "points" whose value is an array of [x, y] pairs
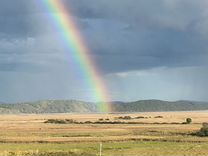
{"points": [[64, 21]]}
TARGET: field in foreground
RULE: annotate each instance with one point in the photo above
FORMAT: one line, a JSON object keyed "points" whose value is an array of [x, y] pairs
{"points": [[163, 135]]}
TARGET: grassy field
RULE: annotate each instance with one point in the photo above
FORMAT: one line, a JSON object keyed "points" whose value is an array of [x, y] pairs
{"points": [[29, 135]]}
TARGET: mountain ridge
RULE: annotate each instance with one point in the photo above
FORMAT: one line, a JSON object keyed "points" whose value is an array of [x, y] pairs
{"points": [[75, 106]]}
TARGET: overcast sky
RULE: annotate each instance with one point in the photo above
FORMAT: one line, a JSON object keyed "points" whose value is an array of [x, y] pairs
{"points": [[146, 49]]}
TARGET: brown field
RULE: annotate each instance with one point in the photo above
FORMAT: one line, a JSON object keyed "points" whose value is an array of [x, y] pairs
{"points": [[156, 136]]}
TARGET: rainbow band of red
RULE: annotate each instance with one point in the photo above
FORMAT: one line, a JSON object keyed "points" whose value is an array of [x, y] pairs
{"points": [[64, 21]]}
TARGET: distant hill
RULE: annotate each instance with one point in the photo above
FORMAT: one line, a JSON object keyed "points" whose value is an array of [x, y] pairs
{"points": [[73, 106], [158, 105], [48, 106]]}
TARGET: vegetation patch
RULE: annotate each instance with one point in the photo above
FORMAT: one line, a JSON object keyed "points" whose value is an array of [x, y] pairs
{"points": [[107, 121], [58, 153], [159, 116], [124, 117], [70, 121], [188, 121], [203, 132], [140, 117], [60, 121]]}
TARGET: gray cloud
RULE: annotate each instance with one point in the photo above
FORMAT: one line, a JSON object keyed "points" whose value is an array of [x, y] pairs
{"points": [[141, 34], [122, 35], [161, 83], [144, 34]]}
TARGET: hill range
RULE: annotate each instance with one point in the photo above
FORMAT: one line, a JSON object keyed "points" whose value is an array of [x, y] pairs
{"points": [[74, 106]]}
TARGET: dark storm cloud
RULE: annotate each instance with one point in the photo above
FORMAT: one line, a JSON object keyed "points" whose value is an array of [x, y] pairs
{"points": [[13, 18], [148, 49], [145, 47], [122, 35], [140, 34], [22, 19]]}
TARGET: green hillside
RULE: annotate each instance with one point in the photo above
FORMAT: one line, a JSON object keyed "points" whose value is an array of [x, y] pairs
{"points": [[73, 106]]}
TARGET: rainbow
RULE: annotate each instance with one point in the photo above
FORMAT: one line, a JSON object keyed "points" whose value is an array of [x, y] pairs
{"points": [[64, 22]]}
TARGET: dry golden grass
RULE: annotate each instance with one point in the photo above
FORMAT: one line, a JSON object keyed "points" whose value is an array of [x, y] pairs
{"points": [[197, 116], [32, 129]]}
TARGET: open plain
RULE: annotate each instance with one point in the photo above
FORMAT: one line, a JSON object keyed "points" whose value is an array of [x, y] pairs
{"points": [[153, 133]]}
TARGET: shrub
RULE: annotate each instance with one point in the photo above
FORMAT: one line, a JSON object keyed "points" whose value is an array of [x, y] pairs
{"points": [[55, 121], [139, 117], [123, 117], [120, 117], [70, 121], [158, 116], [126, 117], [60, 121], [204, 130], [188, 120]]}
